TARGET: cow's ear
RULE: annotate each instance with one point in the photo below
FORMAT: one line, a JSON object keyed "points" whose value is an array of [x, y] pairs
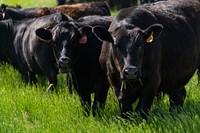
{"points": [[2, 14], [44, 34], [3, 7], [84, 31], [102, 34], [152, 32]]}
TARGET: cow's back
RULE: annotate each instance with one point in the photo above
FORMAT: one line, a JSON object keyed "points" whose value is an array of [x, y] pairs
{"points": [[179, 40]]}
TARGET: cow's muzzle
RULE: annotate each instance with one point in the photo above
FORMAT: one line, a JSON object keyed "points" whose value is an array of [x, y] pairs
{"points": [[64, 64], [131, 73]]}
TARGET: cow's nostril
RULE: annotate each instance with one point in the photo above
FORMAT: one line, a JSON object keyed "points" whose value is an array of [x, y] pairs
{"points": [[130, 73], [64, 60], [64, 63]]}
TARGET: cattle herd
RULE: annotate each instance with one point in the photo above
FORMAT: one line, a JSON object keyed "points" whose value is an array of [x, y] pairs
{"points": [[141, 52]]}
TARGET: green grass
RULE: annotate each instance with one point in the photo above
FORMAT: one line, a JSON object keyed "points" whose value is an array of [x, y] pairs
{"points": [[30, 3], [30, 109], [25, 108]]}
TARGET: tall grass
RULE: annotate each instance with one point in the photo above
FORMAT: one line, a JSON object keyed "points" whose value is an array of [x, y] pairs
{"points": [[30, 3], [26, 108]]}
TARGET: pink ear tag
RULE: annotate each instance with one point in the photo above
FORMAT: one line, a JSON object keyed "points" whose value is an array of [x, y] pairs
{"points": [[3, 15], [83, 39]]}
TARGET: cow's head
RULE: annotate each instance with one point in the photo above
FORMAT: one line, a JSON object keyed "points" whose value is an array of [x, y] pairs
{"points": [[128, 44], [65, 37], [7, 11], [70, 52], [2, 11]]}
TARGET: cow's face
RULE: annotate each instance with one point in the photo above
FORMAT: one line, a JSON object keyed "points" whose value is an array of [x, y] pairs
{"points": [[62, 37], [72, 38], [65, 37], [128, 44]]}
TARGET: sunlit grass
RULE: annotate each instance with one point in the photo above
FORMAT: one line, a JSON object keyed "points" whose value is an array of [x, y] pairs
{"points": [[26, 108], [30, 3]]}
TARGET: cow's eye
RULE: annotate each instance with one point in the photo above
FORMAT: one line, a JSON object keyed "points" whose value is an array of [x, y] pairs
{"points": [[140, 50]]}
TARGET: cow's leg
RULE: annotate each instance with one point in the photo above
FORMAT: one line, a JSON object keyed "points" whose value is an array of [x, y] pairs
{"points": [[24, 77], [32, 78], [124, 96], [51, 73], [177, 98], [101, 90], [22, 68], [146, 98], [52, 78], [70, 82], [126, 100], [81, 88], [85, 102], [126, 107]]}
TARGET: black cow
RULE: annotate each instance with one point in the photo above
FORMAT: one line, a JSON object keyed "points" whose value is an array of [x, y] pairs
{"points": [[113, 3], [22, 46], [80, 58], [18, 13], [75, 11], [155, 47], [119, 4], [3, 10]]}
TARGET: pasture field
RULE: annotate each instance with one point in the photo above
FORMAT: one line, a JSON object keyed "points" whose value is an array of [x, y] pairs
{"points": [[25, 108], [30, 109], [30, 3]]}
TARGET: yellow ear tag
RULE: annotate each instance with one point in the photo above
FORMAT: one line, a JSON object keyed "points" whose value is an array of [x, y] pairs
{"points": [[150, 38]]}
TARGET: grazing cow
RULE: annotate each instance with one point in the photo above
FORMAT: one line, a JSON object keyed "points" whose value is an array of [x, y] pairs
{"points": [[152, 48], [75, 11], [80, 58], [22, 46]]}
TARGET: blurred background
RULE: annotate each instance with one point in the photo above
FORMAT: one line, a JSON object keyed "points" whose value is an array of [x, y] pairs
{"points": [[114, 4]]}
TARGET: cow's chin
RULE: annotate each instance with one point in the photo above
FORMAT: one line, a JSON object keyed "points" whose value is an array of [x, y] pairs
{"points": [[134, 79], [66, 70], [131, 77]]}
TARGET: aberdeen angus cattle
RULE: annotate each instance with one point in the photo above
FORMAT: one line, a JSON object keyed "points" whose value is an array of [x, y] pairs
{"points": [[75, 11], [80, 58], [22, 46], [84, 9], [23, 13], [3, 10], [119, 4], [153, 48], [112, 3]]}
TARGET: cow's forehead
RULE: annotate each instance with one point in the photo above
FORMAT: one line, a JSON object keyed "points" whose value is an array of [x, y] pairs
{"points": [[126, 31], [61, 28]]}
